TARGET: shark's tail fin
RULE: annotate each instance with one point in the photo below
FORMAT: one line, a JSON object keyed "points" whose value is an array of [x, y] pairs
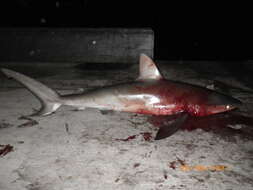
{"points": [[50, 99]]}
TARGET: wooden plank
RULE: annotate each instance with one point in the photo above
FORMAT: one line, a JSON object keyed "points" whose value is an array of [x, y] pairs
{"points": [[75, 45]]}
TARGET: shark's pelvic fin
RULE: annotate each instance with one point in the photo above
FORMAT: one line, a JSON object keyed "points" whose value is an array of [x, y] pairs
{"points": [[50, 99], [148, 69]]}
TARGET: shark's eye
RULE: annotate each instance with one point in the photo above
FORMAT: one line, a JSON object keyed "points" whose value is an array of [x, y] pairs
{"points": [[227, 107]]}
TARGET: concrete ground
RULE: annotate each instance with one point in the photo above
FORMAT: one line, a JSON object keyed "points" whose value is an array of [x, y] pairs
{"points": [[76, 150]]}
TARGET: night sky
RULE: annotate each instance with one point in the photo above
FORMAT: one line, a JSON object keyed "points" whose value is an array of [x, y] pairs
{"points": [[182, 31]]}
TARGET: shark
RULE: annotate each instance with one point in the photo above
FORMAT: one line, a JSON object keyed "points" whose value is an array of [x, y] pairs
{"points": [[149, 94]]}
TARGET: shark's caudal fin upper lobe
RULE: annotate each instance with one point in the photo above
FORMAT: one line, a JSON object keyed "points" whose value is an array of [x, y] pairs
{"points": [[50, 99]]}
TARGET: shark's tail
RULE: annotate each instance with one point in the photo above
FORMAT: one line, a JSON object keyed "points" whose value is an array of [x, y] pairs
{"points": [[50, 99]]}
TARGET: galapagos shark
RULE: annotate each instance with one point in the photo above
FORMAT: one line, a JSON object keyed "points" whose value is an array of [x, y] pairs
{"points": [[150, 94]]}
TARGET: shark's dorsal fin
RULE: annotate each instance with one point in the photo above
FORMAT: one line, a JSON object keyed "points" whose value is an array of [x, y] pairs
{"points": [[148, 69]]}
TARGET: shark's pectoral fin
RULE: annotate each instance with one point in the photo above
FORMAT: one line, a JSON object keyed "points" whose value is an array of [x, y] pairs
{"points": [[168, 130]]}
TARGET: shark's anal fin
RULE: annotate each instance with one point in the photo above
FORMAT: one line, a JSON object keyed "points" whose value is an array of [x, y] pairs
{"points": [[168, 130]]}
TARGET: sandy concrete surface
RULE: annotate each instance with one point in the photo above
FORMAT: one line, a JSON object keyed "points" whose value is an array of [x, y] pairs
{"points": [[77, 150]]}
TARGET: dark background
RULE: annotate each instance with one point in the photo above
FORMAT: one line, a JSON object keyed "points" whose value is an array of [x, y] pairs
{"points": [[184, 31]]}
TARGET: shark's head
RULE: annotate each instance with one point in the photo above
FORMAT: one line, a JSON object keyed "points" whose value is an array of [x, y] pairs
{"points": [[217, 103]]}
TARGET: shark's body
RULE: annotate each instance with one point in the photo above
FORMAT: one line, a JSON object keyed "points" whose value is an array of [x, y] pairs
{"points": [[155, 97], [149, 94]]}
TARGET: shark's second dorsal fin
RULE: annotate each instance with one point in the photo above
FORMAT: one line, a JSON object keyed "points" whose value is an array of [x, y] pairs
{"points": [[148, 69]]}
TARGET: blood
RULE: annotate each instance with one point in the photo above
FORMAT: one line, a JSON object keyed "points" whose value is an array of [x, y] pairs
{"points": [[174, 97], [5, 149], [217, 121], [182, 162], [116, 180], [147, 136], [128, 138], [173, 165], [136, 165], [212, 123]]}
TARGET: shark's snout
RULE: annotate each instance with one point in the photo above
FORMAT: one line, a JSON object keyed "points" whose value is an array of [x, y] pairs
{"points": [[223, 100], [235, 102]]}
